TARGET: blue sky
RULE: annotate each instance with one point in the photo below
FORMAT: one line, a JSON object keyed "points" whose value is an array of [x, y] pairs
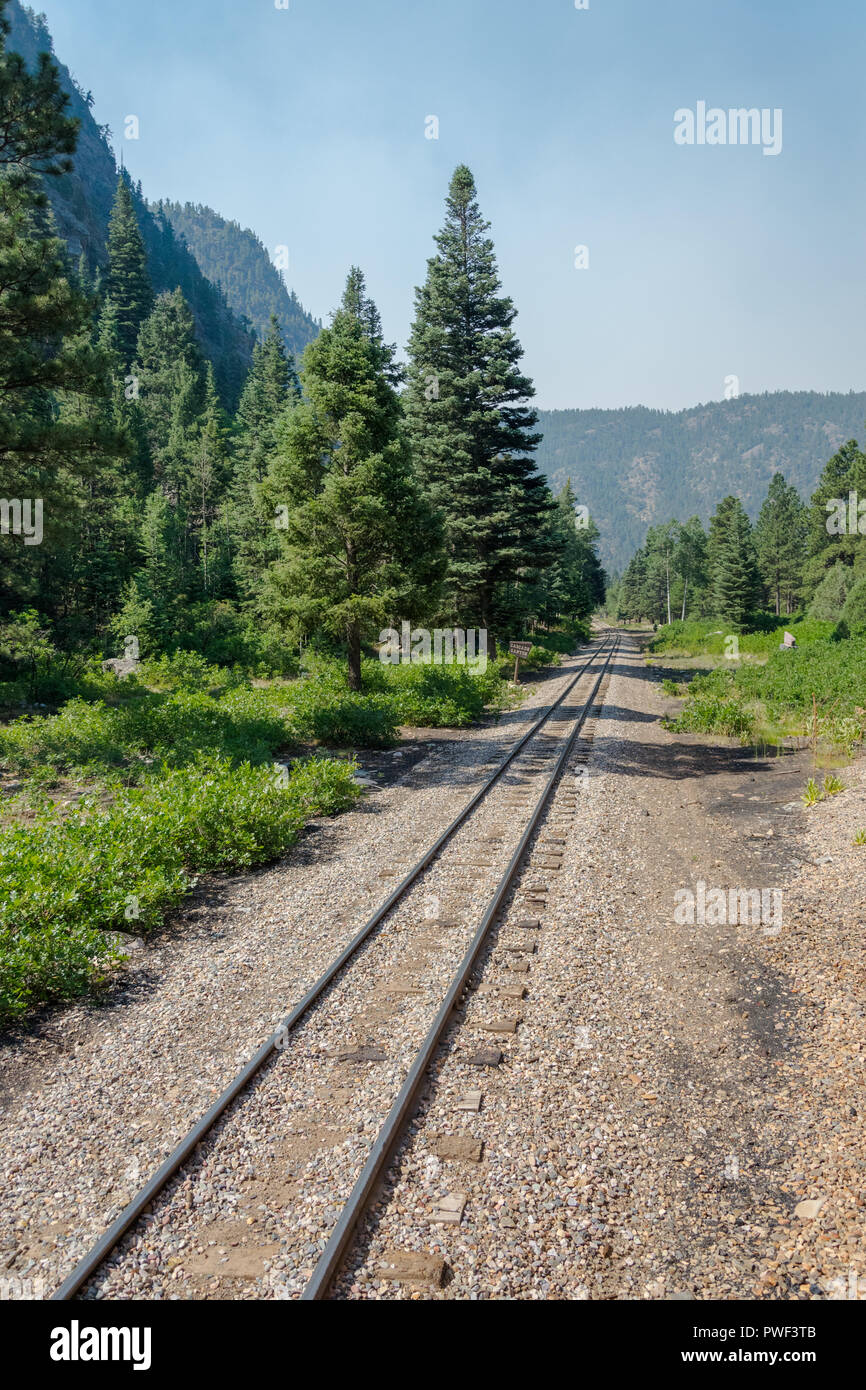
{"points": [[705, 262]]}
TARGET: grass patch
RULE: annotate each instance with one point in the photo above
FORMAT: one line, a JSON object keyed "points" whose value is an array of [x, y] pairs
{"points": [[831, 786]]}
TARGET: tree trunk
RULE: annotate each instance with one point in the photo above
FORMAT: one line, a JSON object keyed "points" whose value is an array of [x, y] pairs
{"points": [[353, 630], [668, 587], [485, 626], [685, 591], [353, 641]]}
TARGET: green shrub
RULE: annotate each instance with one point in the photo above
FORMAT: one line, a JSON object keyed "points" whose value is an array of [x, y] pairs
{"points": [[362, 721], [833, 672], [431, 696], [29, 657], [714, 715], [428, 696], [146, 727], [831, 594], [189, 671], [708, 636], [854, 612], [69, 879], [94, 739]]}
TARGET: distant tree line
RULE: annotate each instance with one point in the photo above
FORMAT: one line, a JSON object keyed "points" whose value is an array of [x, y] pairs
{"points": [[794, 558]]}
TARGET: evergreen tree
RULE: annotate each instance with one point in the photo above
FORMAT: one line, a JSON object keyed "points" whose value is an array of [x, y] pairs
{"points": [[45, 321], [691, 564], [734, 580], [87, 570], [831, 595], [662, 546], [187, 440], [155, 599], [780, 542], [127, 283], [574, 584], [271, 386], [169, 374], [633, 589], [471, 430], [122, 407], [207, 484], [359, 544], [831, 537]]}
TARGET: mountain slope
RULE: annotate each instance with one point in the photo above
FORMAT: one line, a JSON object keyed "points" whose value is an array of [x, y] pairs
{"points": [[81, 203], [636, 467], [234, 258]]}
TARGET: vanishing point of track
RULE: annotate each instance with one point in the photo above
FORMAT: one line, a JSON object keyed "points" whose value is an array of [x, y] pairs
{"points": [[384, 1145]]}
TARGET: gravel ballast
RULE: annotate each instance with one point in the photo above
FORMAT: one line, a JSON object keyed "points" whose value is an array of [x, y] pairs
{"points": [[627, 1104], [95, 1098], [679, 1115]]}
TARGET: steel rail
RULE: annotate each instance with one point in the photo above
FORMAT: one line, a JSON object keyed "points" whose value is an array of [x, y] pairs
{"points": [[332, 1256], [90, 1262]]}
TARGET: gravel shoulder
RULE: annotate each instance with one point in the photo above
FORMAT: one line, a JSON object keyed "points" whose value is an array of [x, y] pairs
{"points": [[679, 1114]]}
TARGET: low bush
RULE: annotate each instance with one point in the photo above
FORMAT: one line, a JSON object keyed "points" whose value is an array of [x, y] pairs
{"points": [[67, 880], [714, 715], [95, 739], [432, 696], [191, 672], [777, 696], [709, 637]]}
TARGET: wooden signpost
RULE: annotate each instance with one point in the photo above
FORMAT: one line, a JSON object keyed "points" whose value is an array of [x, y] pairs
{"points": [[517, 650]]}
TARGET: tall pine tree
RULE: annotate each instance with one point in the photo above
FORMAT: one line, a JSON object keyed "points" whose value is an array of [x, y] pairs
{"points": [[360, 546], [574, 584], [832, 539], [691, 564], [780, 541], [45, 331], [471, 429], [169, 373], [735, 585], [271, 386], [127, 284]]}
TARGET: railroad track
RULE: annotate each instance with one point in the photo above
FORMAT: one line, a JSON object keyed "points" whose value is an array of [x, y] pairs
{"points": [[389, 936]]}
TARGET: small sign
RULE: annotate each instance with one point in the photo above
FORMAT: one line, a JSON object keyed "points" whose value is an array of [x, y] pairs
{"points": [[520, 648]]}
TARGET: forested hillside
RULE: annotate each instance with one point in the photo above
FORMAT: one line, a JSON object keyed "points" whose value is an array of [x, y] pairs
{"points": [[240, 523], [81, 202], [234, 258], [637, 468]]}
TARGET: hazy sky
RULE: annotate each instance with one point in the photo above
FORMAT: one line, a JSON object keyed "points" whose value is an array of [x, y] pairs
{"points": [[705, 261]]}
